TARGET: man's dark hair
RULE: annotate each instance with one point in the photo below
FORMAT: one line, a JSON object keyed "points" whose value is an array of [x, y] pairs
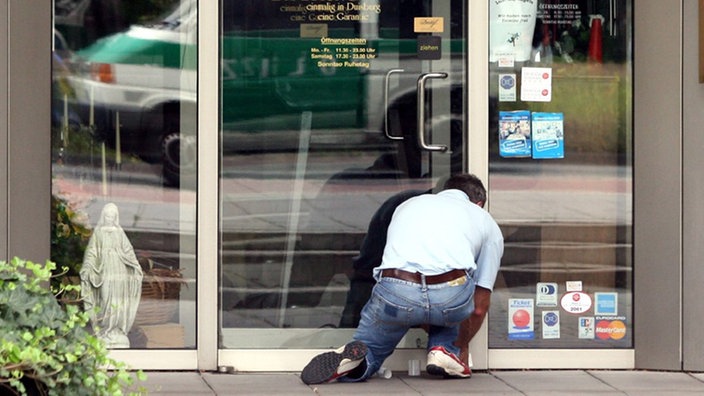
{"points": [[469, 184]]}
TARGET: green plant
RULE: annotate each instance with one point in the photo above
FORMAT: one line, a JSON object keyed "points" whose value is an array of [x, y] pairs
{"points": [[69, 238], [48, 344]]}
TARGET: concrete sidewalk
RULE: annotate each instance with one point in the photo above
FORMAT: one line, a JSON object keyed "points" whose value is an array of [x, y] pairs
{"points": [[534, 382]]}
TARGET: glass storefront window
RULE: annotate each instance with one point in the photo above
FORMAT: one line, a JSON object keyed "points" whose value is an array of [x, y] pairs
{"points": [[325, 113], [123, 165], [561, 173]]}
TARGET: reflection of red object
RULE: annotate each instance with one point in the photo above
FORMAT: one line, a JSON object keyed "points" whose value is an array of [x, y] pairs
{"points": [[595, 53], [521, 318]]}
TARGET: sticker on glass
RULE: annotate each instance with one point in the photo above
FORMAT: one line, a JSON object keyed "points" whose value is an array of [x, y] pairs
{"points": [[506, 59], [551, 324], [428, 25], [507, 87], [606, 304], [546, 294], [586, 327], [610, 328], [573, 286], [576, 302], [520, 319], [536, 84]]}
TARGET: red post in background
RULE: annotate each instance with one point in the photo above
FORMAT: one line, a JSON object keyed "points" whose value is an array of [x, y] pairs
{"points": [[595, 53]]}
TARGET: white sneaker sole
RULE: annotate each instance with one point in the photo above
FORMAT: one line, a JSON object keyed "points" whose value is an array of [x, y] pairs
{"points": [[441, 364]]}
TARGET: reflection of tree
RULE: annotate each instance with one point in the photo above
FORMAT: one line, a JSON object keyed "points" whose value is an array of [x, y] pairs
{"points": [[69, 237], [142, 11], [105, 17]]}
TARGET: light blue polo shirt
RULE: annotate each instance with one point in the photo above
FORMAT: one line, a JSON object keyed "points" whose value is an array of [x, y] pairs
{"points": [[436, 233]]}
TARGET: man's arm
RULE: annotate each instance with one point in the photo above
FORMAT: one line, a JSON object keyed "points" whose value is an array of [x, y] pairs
{"points": [[471, 325]]}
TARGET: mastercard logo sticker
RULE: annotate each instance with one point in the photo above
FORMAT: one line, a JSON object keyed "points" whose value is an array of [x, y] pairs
{"points": [[610, 329]]}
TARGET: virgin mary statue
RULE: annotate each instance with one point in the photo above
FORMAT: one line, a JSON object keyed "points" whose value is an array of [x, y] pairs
{"points": [[111, 280]]}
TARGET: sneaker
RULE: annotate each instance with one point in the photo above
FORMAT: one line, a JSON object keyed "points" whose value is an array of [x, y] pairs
{"points": [[442, 362], [329, 366]]}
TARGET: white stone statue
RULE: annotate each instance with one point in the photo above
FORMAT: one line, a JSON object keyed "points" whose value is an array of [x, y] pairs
{"points": [[111, 280]]}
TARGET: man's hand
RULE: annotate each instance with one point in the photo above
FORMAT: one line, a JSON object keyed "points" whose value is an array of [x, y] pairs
{"points": [[471, 325]]}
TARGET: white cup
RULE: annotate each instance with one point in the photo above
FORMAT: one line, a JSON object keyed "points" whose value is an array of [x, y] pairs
{"points": [[384, 373], [414, 367]]}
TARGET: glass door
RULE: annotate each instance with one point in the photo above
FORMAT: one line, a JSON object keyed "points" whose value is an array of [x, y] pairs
{"points": [[560, 132], [327, 109]]}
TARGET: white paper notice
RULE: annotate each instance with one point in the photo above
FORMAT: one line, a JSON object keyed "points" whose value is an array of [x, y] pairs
{"points": [[506, 60], [536, 84], [511, 27]]}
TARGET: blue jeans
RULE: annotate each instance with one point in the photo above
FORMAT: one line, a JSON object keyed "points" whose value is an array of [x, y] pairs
{"points": [[397, 305]]}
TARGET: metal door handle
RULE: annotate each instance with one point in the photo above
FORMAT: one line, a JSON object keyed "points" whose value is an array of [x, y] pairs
{"points": [[386, 104], [421, 112]]}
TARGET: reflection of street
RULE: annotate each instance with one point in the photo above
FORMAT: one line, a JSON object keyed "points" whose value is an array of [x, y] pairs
{"points": [[556, 193], [257, 191], [145, 205], [260, 238]]}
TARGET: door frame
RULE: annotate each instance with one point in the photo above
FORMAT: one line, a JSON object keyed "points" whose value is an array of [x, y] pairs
{"points": [[477, 162]]}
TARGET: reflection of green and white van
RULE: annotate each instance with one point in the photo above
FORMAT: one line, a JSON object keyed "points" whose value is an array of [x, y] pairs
{"points": [[144, 79], [147, 75]]}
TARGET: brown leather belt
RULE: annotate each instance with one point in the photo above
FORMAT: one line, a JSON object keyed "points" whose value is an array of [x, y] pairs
{"points": [[429, 279]]}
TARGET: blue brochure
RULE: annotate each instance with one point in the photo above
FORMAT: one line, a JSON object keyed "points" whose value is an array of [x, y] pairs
{"points": [[548, 135], [514, 133]]}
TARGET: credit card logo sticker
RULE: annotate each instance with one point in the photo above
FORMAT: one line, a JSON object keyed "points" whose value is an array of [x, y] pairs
{"points": [[610, 329], [546, 294], [606, 304]]}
